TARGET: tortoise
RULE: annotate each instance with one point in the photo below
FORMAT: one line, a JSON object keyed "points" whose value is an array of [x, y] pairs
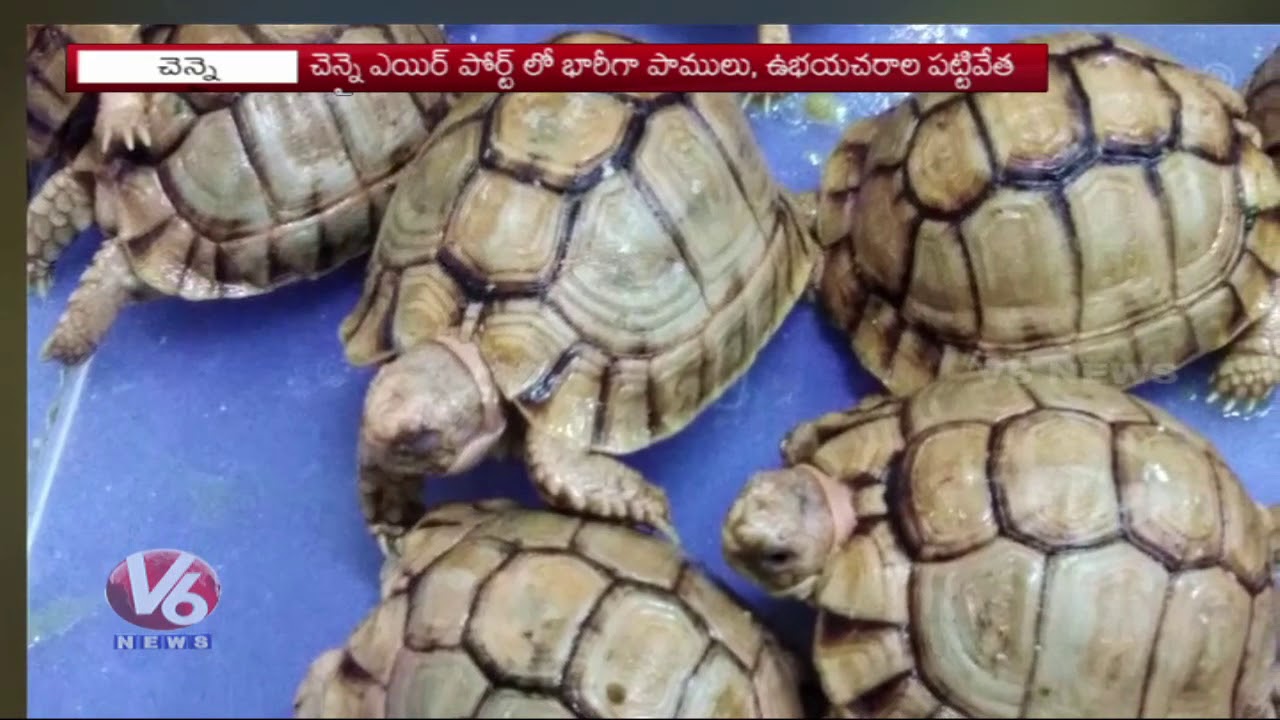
{"points": [[1262, 95], [998, 547], [590, 270], [497, 610], [226, 195], [1117, 226]]}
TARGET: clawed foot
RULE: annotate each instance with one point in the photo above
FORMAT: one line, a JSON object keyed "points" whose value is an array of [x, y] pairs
{"points": [[637, 502], [122, 118], [596, 486], [105, 288], [68, 349], [668, 531], [1246, 381], [389, 538], [1246, 406]]}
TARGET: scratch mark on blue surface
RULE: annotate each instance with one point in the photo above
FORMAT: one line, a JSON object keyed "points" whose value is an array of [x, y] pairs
{"points": [[66, 403]]}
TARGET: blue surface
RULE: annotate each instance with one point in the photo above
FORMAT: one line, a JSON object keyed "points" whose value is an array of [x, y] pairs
{"points": [[228, 429]]}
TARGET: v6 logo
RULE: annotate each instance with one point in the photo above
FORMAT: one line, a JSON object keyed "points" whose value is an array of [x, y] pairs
{"points": [[163, 589]]}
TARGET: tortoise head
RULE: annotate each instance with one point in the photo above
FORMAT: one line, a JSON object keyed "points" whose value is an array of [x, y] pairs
{"points": [[434, 410], [784, 527]]}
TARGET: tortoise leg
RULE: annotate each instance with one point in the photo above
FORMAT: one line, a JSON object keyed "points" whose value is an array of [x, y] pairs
{"points": [[106, 287], [122, 116], [595, 485], [1250, 370], [432, 411], [62, 209], [769, 35]]}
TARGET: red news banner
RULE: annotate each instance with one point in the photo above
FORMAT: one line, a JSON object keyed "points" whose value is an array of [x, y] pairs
{"points": [[560, 68]]}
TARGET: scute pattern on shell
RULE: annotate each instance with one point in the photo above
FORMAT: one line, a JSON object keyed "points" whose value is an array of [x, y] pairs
{"points": [[1263, 98], [250, 191], [620, 258], [500, 611], [1118, 226], [1043, 547]]}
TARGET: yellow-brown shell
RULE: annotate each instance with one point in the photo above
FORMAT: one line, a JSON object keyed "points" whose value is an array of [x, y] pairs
{"points": [[1263, 97], [1117, 226], [250, 191], [1044, 547], [620, 259], [500, 611]]}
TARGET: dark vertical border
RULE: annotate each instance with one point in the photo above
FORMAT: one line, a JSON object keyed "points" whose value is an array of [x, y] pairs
{"points": [[13, 426]]}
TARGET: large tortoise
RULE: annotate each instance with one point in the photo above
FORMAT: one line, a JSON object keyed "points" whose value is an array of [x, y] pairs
{"points": [[996, 548], [1117, 226], [593, 269], [499, 611], [226, 195], [1263, 98]]}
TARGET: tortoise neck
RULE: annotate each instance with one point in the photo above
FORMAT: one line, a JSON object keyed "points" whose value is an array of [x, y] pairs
{"points": [[839, 503]]}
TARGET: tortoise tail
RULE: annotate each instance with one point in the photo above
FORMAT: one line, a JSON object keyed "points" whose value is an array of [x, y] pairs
{"points": [[106, 287], [62, 209]]}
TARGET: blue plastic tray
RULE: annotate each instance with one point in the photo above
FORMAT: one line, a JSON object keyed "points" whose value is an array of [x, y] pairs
{"points": [[228, 429]]}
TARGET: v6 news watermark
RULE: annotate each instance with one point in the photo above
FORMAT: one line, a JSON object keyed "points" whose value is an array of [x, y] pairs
{"points": [[163, 590]]}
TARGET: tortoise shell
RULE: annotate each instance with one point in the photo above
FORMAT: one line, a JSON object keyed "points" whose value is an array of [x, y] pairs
{"points": [[48, 102], [620, 259], [499, 611], [244, 192], [1117, 226], [1263, 98], [1052, 547]]}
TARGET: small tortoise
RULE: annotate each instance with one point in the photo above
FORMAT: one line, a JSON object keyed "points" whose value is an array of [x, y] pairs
{"points": [[988, 547], [499, 611], [600, 266], [226, 195], [1117, 226], [1263, 98]]}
